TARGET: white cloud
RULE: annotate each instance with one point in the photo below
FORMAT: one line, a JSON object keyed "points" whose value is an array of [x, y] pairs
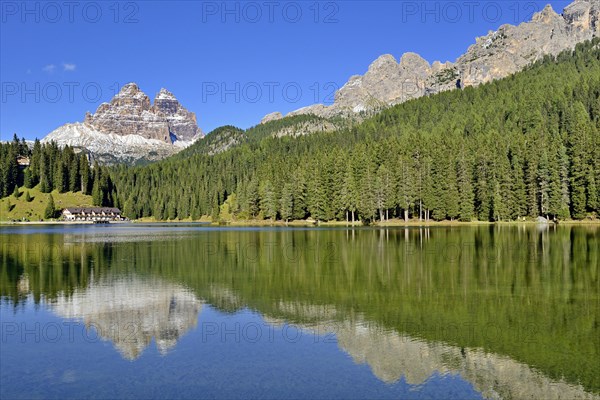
{"points": [[49, 68], [69, 67]]}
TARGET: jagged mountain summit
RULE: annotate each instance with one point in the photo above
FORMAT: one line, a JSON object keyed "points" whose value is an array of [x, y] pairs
{"points": [[131, 129], [496, 55], [157, 310]]}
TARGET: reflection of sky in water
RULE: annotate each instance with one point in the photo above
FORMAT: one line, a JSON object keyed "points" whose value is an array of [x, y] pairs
{"points": [[127, 229], [128, 232], [132, 311], [121, 233], [231, 362], [139, 333], [169, 345]]}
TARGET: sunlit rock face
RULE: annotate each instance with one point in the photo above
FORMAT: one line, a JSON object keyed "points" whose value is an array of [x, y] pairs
{"points": [[130, 113], [393, 356], [130, 128], [132, 311], [511, 48], [274, 116], [182, 123], [497, 55]]}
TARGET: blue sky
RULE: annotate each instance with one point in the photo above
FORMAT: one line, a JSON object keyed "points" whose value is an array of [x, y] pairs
{"points": [[229, 62]]}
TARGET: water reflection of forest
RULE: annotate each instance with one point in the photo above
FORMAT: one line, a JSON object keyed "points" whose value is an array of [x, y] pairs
{"points": [[530, 285]]}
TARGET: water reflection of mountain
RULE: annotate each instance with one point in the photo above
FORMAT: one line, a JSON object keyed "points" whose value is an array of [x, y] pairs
{"points": [[393, 356], [131, 311], [541, 286]]}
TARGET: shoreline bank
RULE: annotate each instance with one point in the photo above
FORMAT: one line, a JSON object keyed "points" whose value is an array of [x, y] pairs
{"points": [[310, 223]]}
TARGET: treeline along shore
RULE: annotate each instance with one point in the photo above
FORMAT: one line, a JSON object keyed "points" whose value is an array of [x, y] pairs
{"points": [[517, 148]]}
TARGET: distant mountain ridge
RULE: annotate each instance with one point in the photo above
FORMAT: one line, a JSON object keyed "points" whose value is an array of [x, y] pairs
{"points": [[131, 129], [494, 56]]}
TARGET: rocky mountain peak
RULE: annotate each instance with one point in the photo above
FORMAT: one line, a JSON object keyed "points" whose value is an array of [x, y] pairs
{"points": [[130, 91], [131, 113], [383, 62], [546, 15], [130, 97], [410, 60], [166, 104], [583, 15], [164, 94], [130, 127], [274, 116], [493, 56], [130, 87]]}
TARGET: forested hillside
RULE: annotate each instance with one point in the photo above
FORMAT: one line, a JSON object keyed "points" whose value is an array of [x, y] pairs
{"points": [[524, 146], [226, 137], [48, 167]]}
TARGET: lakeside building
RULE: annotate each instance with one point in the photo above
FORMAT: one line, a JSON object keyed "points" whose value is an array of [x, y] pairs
{"points": [[92, 214]]}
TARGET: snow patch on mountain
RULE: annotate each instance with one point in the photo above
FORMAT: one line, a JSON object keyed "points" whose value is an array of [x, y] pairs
{"points": [[130, 129], [111, 148]]}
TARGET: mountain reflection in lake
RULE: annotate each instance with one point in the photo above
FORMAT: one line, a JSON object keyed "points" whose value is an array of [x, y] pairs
{"points": [[131, 311], [198, 312]]}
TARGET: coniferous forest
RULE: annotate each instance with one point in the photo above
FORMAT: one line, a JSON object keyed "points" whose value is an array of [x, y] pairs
{"points": [[53, 168], [524, 146], [521, 147]]}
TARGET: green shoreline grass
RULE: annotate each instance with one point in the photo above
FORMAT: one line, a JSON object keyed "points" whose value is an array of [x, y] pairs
{"points": [[301, 223], [389, 223], [33, 211]]}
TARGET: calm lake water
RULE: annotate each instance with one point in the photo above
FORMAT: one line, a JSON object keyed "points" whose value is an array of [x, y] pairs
{"points": [[188, 311]]}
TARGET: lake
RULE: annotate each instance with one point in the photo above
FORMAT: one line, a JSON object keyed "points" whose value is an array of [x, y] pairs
{"points": [[192, 311]]}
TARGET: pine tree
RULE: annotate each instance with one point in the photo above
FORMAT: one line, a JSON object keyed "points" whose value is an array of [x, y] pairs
{"points": [[484, 190], [367, 205], [61, 180], [558, 189], [349, 193], [452, 195], [300, 209], [45, 181], [406, 191], [287, 202], [97, 194], [253, 199], [439, 189], [268, 203], [544, 182], [184, 201], [10, 171], [383, 190], [84, 171], [172, 210], [158, 210], [518, 198], [465, 191], [316, 198], [578, 130], [591, 191], [74, 175], [50, 210], [565, 200], [28, 180], [34, 163], [595, 158], [531, 187]]}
